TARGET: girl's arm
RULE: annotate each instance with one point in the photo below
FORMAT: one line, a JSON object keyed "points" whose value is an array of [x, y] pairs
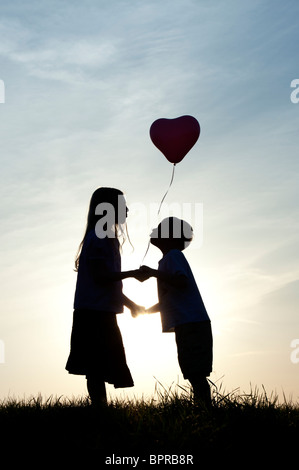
{"points": [[135, 309], [103, 275], [176, 280]]}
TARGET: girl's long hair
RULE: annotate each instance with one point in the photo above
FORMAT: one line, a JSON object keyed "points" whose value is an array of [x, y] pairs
{"points": [[103, 195]]}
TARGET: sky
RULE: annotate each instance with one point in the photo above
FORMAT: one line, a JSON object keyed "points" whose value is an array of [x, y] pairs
{"points": [[81, 84]]}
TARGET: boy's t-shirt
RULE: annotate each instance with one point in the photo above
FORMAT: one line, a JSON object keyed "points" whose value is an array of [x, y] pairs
{"points": [[179, 306], [90, 294]]}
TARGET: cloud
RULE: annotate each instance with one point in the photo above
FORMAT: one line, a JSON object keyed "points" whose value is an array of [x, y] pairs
{"points": [[280, 306], [70, 60], [81, 52], [13, 35], [281, 261], [272, 319]]}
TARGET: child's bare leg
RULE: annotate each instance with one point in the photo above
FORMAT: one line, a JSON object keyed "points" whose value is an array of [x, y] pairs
{"points": [[96, 389], [201, 391]]}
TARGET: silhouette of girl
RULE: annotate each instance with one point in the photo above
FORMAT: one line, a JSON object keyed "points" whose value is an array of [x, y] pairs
{"points": [[97, 349]]}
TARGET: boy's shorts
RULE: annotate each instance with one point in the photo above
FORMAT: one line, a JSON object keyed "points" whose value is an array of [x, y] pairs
{"points": [[195, 349]]}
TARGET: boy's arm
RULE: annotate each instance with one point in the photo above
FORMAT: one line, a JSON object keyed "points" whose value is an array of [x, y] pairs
{"points": [[176, 280], [154, 309]]}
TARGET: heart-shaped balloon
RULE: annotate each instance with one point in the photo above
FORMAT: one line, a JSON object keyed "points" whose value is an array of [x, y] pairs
{"points": [[175, 137]]}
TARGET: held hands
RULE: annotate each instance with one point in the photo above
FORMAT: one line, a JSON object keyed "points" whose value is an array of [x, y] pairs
{"points": [[137, 310], [143, 273], [133, 307]]}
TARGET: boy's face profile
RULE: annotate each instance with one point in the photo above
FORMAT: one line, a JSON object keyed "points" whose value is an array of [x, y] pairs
{"points": [[155, 237], [158, 241], [170, 234]]}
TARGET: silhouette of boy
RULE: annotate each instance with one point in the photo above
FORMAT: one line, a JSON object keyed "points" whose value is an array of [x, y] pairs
{"points": [[181, 307]]}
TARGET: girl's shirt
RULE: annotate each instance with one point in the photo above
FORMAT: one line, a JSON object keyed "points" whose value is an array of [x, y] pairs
{"points": [[179, 306], [90, 293]]}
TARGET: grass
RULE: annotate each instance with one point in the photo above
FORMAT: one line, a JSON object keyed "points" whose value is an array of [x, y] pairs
{"points": [[252, 425]]}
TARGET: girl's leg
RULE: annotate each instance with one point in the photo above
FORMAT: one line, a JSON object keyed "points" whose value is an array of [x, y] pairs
{"points": [[96, 389], [201, 391]]}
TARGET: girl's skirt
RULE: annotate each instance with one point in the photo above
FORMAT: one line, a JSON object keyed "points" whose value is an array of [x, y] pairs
{"points": [[195, 349], [97, 348]]}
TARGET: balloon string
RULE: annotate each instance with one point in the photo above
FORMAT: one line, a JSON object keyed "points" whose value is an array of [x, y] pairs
{"points": [[172, 176], [148, 245], [171, 181]]}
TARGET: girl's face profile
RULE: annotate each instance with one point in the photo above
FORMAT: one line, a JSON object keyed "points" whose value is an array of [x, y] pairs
{"points": [[122, 210]]}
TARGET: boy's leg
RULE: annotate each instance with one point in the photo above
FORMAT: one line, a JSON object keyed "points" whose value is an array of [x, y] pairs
{"points": [[96, 389], [201, 391]]}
